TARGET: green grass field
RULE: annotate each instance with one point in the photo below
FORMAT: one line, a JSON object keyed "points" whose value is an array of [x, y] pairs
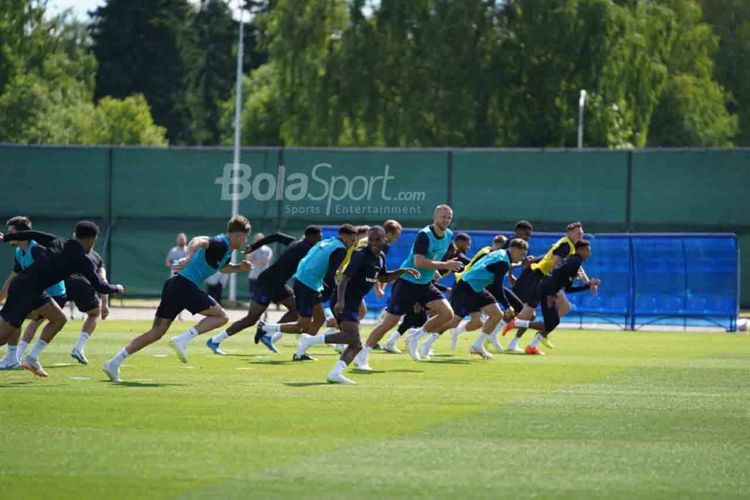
{"points": [[607, 414]]}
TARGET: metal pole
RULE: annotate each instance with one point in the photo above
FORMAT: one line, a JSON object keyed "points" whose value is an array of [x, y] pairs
{"points": [[237, 128], [581, 105]]}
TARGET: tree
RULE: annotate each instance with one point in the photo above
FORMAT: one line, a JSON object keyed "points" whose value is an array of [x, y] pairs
{"points": [[142, 48], [212, 69], [730, 20], [692, 109]]}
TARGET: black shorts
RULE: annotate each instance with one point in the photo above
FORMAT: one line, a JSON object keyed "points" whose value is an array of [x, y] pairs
{"points": [[23, 297], [180, 293], [550, 315], [512, 299], [264, 292], [306, 298], [82, 294], [328, 294], [60, 300], [465, 300], [405, 294], [526, 286]]}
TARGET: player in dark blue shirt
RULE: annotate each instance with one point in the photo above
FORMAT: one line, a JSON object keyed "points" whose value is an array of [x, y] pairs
{"points": [[546, 291], [366, 268], [205, 257], [272, 285], [314, 272], [61, 258]]}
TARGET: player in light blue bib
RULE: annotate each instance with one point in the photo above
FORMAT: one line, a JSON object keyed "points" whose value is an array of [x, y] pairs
{"points": [[205, 256], [426, 256]]}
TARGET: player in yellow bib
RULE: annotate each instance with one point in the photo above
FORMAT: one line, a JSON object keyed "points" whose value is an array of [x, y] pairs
{"points": [[527, 283]]}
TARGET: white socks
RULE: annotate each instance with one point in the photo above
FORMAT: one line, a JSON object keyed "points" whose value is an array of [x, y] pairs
{"points": [[82, 339], [277, 336], [393, 339], [522, 323], [37, 349], [538, 338], [339, 367], [417, 333], [460, 329], [514, 343], [220, 337], [271, 328], [317, 339], [361, 358], [431, 338], [188, 335], [481, 339], [11, 352], [21, 348], [119, 357]]}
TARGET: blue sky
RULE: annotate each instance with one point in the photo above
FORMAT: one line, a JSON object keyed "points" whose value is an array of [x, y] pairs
{"points": [[81, 7]]}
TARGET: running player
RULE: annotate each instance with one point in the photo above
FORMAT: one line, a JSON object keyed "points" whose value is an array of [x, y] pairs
{"points": [[547, 291], [470, 297], [205, 256], [418, 316], [531, 276], [475, 322], [314, 270], [26, 253], [367, 266], [463, 245], [80, 292], [392, 233], [426, 256], [272, 287], [60, 259]]}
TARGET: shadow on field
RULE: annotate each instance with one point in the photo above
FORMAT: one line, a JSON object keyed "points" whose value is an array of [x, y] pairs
{"points": [[143, 384], [274, 362], [450, 361], [305, 384], [17, 383]]}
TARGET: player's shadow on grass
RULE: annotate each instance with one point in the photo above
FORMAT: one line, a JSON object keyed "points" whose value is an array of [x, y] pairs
{"points": [[274, 362], [305, 384], [144, 384], [17, 383], [450, 361]]}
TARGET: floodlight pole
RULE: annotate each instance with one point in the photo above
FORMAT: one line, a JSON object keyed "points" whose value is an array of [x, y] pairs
{"points": [[581, 106], [237, 128]]}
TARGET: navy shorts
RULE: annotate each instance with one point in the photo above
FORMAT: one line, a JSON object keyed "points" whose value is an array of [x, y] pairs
{"points": [[465, 300], [180, 293], [526, 286], [405, 294], [264, 292], [23, 297], [306, 298], [82, 294]]}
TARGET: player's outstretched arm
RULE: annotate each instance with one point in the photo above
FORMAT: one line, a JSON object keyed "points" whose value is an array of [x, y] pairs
{"points": [[88, 269], [390, 276], [38, 236], [282, 238], [240, 267]]}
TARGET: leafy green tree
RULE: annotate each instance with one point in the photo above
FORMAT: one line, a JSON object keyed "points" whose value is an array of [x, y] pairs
{"points": [[692, 109], [142, 47], [730, 20], [212, 69]]}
